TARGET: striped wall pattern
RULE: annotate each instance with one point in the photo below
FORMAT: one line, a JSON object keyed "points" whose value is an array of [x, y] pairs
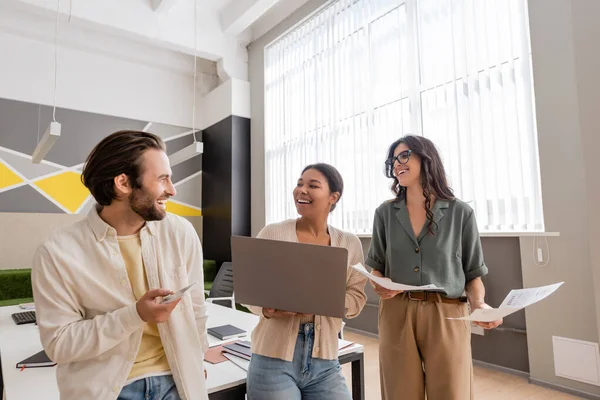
{"points": [[54, 186]]}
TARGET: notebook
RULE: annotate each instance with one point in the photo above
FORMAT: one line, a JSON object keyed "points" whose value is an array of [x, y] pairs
{"points": [[225, 332], [37, 360], [238, 349]]}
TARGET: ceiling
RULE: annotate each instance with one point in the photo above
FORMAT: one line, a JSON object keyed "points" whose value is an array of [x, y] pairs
{"points": [[222, 30]]}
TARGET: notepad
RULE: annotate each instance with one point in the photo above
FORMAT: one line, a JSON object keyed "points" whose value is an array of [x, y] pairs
{"points": [[225, 332], [238, 349], [40, 359]]}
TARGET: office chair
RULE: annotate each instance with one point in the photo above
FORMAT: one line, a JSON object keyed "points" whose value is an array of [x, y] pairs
{"points": [[221, 292]]}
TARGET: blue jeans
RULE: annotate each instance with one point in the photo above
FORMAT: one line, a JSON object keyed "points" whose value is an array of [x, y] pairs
{"points": [[153, 388], [305, 378]]}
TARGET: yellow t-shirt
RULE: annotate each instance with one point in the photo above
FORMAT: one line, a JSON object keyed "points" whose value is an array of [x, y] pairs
{"points": [[151, 356]]}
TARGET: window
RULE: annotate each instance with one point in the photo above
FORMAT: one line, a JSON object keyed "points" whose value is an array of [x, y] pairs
{"points": [[358, 74]]}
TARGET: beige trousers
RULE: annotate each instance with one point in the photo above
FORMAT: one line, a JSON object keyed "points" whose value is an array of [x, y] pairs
{"points": [[420, 351]]}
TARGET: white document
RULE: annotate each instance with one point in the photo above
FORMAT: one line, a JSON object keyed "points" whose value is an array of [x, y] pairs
{"points": [[522, 298], [344, 343], [388, 284], [489, 315], [516, 300], [240, 362], [177, 295]]}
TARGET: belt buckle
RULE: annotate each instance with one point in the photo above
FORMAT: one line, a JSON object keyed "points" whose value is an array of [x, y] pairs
{"points": [[412, 298]]}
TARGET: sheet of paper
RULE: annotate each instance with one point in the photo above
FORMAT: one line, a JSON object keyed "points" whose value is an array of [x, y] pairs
{"points": [[521, 298], [488, 315], [386, 283], [516, 300], [344, 343], [240, 362]]}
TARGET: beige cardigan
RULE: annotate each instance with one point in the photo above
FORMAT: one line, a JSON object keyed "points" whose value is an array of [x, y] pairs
{"points": [[276, 337]]}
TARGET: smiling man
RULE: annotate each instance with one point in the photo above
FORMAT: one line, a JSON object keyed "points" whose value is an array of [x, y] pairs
{"points": [[98, 284]]}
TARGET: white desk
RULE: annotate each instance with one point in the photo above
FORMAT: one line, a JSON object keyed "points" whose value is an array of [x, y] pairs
{"points": [[225, 380]]}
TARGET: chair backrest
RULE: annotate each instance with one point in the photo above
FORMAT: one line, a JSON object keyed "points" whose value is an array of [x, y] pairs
{"points": [[223, 284]]}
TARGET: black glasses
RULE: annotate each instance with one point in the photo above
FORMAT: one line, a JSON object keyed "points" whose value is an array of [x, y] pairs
{"points": [[402, 158]]}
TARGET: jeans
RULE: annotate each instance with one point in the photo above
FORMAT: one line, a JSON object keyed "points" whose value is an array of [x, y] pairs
{"points": [[153, 388], [304, 378]]}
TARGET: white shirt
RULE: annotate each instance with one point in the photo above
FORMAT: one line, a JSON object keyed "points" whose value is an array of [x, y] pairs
{"points": [[86, 311]]}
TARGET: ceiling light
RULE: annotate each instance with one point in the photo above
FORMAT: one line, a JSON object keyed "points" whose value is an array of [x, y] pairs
{"points": [[50, 137], [186, 153]]}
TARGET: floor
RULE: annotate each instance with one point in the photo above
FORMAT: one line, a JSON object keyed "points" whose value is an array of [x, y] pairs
{"points": [[489, 384]]}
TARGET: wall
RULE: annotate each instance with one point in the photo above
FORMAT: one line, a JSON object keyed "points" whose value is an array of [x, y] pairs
{"points": [[564, 37], [565, 63], [105, 82], [586, 32], [226, 185], [36, 198]]}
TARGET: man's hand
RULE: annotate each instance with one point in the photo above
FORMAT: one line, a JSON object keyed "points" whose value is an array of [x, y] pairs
{"points": [[380, 290], [485, 325], [150, 310], [274, 313]]}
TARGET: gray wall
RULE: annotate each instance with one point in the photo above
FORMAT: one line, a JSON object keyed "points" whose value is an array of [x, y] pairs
{"points": [[226, 185], [29, 213], [564, 39], [566, 61]]}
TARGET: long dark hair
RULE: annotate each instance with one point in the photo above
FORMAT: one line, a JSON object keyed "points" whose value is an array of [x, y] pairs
{"points": [[333, 177], [433, 175]]}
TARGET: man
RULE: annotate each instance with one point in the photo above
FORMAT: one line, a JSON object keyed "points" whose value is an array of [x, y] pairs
{"points": [[98, 284]]}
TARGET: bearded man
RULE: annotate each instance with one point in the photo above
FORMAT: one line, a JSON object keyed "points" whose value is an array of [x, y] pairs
{"points": [[98, 284]]}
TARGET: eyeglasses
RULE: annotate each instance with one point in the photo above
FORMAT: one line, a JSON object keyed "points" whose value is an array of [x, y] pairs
{"points": [[402, 158]]}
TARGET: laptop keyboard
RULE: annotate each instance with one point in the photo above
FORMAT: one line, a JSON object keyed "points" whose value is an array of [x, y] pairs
{"points": [[26, 317]]}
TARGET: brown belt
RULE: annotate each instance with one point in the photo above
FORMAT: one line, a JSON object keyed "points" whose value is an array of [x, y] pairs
{"points": [[434, 297]]}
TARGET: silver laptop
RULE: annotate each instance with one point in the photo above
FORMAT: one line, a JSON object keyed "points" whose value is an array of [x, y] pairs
{"points": [[297, 277]]}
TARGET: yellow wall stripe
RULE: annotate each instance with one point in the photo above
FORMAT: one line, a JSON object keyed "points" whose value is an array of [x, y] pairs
{"points": [[183, 210], [65, 188], [7, 177]]}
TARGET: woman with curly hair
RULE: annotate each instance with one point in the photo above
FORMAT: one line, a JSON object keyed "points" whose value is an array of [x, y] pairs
{"points": [[425, 236]]}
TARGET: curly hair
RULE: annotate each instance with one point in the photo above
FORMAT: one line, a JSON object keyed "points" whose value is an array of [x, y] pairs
{"points": [[433, 175]]}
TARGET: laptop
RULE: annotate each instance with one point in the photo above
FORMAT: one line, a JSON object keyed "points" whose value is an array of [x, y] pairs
{"points": [[297, 277]]}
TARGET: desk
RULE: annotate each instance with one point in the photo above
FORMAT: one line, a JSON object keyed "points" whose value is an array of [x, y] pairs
{"points": [[225, 380]]}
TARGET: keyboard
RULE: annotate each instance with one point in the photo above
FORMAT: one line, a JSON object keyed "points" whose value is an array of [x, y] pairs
{"points": [[26, 317]]}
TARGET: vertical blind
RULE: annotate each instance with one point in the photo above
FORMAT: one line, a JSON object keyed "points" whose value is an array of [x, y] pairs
{"points": [[356, 75]]}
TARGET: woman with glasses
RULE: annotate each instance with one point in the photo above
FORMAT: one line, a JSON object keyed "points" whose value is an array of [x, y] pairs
{"points": [[295, 356], [425, 236]]}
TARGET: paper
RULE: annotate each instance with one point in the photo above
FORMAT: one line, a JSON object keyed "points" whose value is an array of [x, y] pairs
{"points": [[342, 344], [488, 315], [27, 306], [177, 295], [388, 284], [516, 300], [240, 362], [522, 298]]}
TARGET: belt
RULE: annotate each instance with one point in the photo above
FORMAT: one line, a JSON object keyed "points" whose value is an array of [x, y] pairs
{"points": [[434, 297]]}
